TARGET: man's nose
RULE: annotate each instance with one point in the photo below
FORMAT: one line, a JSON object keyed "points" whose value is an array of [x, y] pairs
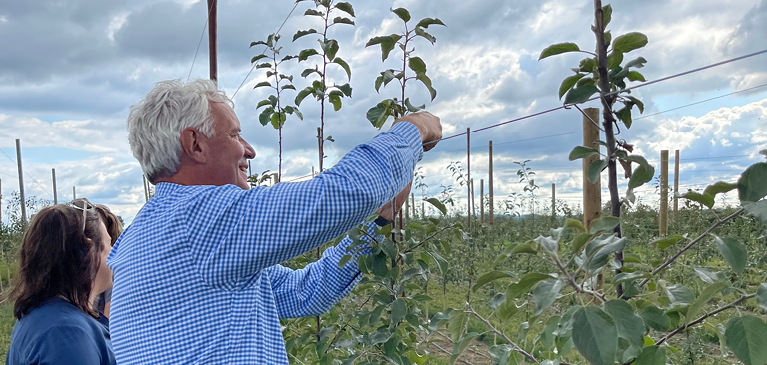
{"points": [[249, 151]]}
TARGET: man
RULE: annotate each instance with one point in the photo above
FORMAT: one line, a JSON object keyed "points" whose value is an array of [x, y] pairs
{"points": [[197, 274]]}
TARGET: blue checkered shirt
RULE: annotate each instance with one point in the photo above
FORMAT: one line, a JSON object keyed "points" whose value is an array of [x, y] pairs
{"points": [[197, 274]]}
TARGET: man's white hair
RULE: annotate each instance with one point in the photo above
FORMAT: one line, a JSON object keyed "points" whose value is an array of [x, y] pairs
{"points": [[155, 123]]}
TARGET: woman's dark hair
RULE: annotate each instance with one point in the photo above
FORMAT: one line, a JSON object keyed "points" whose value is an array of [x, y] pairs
{"points": [[58, 258], [113, 224]]}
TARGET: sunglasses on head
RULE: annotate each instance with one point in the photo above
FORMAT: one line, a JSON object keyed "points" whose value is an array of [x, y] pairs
{"points": [[84, 205]]}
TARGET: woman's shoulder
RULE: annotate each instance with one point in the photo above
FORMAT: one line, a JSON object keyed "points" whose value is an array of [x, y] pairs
{"points": [[54, 314]]}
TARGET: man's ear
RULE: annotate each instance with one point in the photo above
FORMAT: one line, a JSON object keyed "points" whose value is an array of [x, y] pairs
{"points": [[194, 145]]}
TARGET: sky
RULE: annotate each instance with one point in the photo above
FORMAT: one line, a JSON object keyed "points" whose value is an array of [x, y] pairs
{"points": [[70, 70]]}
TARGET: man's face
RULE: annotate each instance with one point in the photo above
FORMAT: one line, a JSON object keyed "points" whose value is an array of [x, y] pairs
{"points": [[227, 162]]}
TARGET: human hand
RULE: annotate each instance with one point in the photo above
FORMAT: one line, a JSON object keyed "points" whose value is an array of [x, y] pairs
{"points": [[429, 126], [387, 211]]}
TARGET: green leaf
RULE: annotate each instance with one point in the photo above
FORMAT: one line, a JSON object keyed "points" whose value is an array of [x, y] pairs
{"points": [[455, 324], [398, 310], [345, 66], [588, 65], [288, 87], [441, 262], [652, 355], [345, 7], [607, 10], [438, 318], [641, 175], [636, 63], [599, 250], [630, 326], [330, 48], [387, 44], [546, 293], [426, 22], [343, 261], [550, 244], [492, 276], [437, 204], [417, 65], [582, 152], [705, 199], [335, 100], [500, 354], [302, 95], [719, 187], [680, 296], [751, 186], [747, 338], [568, 84], [257, 43], [263, 103], [402, 13], [604, 224], [595, 169], [666, 242], [629, 42], [525, 284], [425, 35], [655, 318], [614, 59], [575, 224], [761, 296], [703, 298], [709, 276], [527, 247], [412, 108], [624, 114], [636, 76], [497, 300], [305, 54], [342, 20], [389, 248], [581, 240], [313, 12], [302, 33], [346, 89], [638, 103], [580, 94], [263, 118], [734, 252], [378, 114], [595, 335], [758, 210], [558, 48], [257, 58], [262, 84], [628, 276], [461, 346], [427, 82]]}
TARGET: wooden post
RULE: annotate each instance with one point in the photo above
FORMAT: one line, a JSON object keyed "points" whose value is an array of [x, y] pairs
{"points": [[319, 146], [21, 183], [676, 183], [1, 202], [490, 182], [412, 203], [212, 43], [250, 171], [55, 193], [423, 210], [554, 202], [592, 193], [473, 206], [481, 201], [74, 193], [468, 177], [407, 209], [663, 219], [146, 188]]}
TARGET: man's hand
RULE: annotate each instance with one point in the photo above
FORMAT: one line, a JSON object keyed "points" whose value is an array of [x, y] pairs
{"points": [[386, 210], [428, 124]]}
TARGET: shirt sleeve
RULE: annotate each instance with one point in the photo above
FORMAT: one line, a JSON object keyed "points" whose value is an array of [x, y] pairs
{"points": [[234, 234], [320, 285], [63, 345]]}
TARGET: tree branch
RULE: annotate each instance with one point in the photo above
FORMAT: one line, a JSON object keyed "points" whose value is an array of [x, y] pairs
{"points": [[499, 333], [692, 243], [703, 318]]}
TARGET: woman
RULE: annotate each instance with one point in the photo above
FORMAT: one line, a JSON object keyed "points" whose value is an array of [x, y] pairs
{"points": [[114, 228], [63, 268]]}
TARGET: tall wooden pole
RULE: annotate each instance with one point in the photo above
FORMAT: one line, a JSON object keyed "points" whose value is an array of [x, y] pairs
{"points": [[554, 202], [663, 219], [473, 206], [1, 202], [319, 146], [21, 183], [468, 177], [481, 201], [490, 181], [592, 193], [146, 188], [676, 183], [74, 193], [212, 42], [407, 209], [412, 201], [55, 193]]}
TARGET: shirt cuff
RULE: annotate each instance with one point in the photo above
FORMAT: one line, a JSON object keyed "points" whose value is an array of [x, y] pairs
{"points": [[412, 135]]}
